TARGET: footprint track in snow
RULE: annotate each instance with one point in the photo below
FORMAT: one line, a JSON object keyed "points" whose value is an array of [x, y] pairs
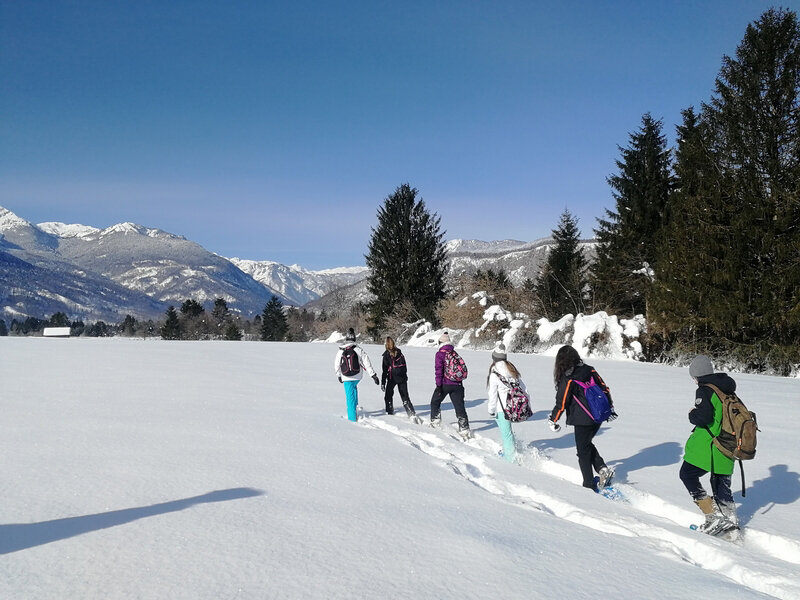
{"points": [[468, 459]]}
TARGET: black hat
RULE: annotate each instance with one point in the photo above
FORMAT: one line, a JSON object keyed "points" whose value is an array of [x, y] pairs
{"points": [[351, 335]]}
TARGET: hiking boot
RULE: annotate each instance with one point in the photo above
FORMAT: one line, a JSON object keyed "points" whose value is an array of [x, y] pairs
{"points": [[606, 475], [464, 431], [729, 510], [436, 422], [716, 521]]}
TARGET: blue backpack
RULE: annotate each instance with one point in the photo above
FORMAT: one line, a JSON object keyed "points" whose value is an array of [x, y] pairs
{"points": [[599, 408]]}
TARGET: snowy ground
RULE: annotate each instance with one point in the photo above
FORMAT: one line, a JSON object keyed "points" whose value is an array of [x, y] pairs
{"points": [[150, 469]]}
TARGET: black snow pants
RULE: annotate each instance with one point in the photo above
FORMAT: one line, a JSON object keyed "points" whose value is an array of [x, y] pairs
{"points": [[388, 397], [588, 456], [456, 393]]}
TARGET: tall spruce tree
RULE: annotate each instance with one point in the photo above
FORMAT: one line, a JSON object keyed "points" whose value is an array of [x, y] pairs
{"points": [[273, 321], [628, 236], [407, 259], [562, 282], [748, 229], [171, 329]]}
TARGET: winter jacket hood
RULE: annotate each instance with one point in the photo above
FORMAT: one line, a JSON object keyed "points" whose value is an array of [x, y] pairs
{"points": [[723, 381]]}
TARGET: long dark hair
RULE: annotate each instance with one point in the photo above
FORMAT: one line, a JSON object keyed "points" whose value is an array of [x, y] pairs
{"points": [[567, 359]]}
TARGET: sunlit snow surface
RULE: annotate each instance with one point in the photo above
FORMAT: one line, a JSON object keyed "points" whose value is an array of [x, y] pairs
{"points": [[150, 469]]}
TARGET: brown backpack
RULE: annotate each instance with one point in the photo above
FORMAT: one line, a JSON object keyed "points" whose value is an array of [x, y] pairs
{"points": [[737, 435]]}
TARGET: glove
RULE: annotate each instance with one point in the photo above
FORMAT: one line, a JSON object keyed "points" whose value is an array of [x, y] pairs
{"points": [[613, 416], [383, 387], [553, 425], [439, 391], [340, 379], [376, 380]]}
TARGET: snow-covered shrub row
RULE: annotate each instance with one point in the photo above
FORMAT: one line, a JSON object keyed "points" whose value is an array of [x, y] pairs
{"points": [[599, 335]]}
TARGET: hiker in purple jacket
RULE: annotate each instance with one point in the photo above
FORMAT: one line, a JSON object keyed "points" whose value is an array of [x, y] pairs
{"points": [[448, 387]]}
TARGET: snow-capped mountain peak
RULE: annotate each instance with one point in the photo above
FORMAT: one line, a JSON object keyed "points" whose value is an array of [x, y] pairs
{"points": [[132, 228], [63, 230], [8, 220]]}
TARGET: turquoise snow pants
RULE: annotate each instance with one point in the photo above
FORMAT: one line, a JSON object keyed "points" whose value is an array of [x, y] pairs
{"points": [[351, 395], [507, 436]]}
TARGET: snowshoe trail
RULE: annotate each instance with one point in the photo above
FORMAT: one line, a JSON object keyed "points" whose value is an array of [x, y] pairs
{"points": [[658, 524]]}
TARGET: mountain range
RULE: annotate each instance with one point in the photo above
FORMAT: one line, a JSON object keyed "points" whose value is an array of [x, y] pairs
{"points": [[91, 273], [103, 274]]}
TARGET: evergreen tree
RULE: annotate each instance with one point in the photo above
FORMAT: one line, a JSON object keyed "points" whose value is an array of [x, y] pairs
{"points": [[3, 328], [59, 319], [128, 326], [682, 295], [748, 285], [220, 312], [171, 330], [273, 321], [232, 332], [77, 328], [561, 285], [192, 308], [628, 236], [407, 259]]}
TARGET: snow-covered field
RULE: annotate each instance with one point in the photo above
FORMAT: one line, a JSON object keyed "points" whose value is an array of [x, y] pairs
{"points": [[150, 469]]}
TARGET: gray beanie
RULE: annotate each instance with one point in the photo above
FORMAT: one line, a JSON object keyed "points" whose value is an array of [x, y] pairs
{"points": [[444, 338], [701, 365], [499, 353]]}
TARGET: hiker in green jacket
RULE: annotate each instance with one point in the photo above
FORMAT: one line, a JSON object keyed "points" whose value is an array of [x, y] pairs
{"points": [[702, 457]]}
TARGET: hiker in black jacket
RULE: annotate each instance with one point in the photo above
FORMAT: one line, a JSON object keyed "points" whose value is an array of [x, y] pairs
{"points": [[395, 373], [568, 369]]}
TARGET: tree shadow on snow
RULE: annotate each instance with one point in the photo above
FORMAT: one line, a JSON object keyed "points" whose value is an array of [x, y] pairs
{"points": [[21, 536], [660, 455], [781, 487]]}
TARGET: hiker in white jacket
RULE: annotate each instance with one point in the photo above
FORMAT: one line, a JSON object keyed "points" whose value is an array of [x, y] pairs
{"points": [[501, 374], [350, 364]]}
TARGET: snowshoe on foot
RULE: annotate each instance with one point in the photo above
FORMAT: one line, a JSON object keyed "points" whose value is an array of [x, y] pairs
{"points": [[415, 419], [436, 422], [465, 433], [606, 475]]}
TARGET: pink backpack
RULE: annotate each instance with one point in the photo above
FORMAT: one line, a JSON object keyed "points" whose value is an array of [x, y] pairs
{"points": [[455, 369]]}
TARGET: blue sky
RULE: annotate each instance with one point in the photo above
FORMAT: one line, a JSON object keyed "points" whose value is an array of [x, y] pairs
{"points": [[275, 130]]}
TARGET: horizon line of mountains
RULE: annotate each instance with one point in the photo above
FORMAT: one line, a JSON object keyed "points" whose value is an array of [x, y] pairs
{"points": [[104, 274]]}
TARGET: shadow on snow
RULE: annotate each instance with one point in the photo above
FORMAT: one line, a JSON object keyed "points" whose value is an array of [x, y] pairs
{"points": [[21, 536]]}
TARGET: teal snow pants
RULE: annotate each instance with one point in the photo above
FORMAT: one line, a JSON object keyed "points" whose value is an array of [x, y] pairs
{"points": [[506, 435], [351, 395]]}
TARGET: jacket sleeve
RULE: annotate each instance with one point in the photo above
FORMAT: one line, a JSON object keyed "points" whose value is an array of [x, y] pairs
{"points": [[702, 415], [385, 368], [604, 387], [337, 363], [562, 399], [493, 393], [365, 361], [438, 365]]}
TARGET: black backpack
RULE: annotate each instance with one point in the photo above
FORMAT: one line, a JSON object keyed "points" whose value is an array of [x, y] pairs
{"points": [[349, 362], [397, 367]]}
